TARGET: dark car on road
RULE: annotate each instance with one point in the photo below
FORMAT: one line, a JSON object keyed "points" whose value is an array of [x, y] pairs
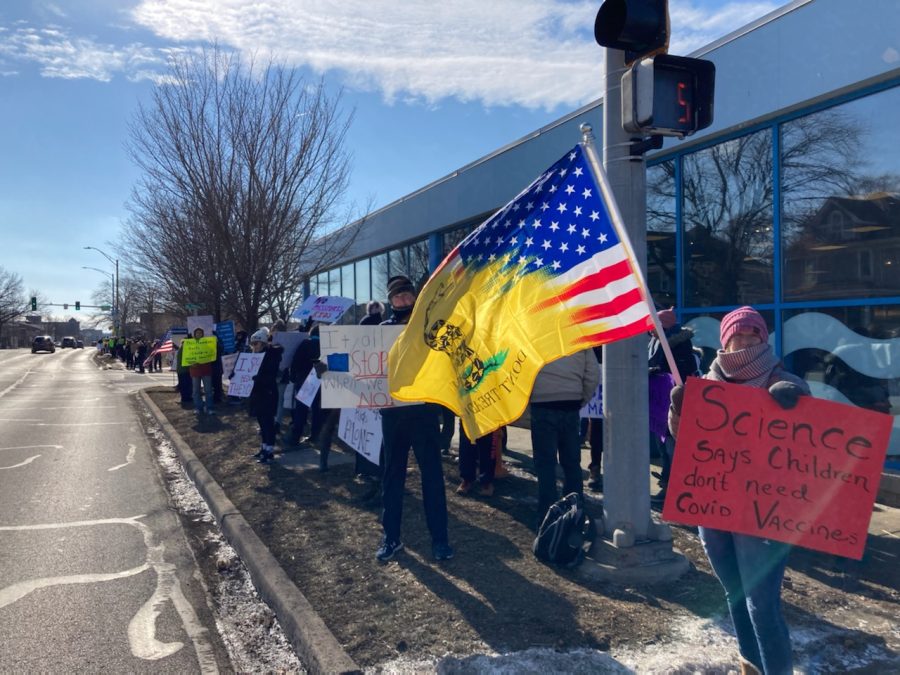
{"points": [[68, 342], [43, 343], [79, 344]]}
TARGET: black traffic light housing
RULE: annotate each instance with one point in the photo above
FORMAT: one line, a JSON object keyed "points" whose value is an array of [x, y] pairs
{"points": [[33, 303], [668, 95], [77, 305], [637, 27]]}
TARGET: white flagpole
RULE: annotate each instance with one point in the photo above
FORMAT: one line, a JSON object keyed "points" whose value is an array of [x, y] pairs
{"points": [[587, 144]]}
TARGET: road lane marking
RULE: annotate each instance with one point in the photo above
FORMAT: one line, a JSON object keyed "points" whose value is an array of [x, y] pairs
{"points": [[129, 459], [32, 447], [15, 384], [16, 466], [142, 638]]}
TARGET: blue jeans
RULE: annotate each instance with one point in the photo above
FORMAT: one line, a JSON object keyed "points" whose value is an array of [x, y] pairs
{"points": [[207, 390], [555, 433], [416, 427], [750, 570]]}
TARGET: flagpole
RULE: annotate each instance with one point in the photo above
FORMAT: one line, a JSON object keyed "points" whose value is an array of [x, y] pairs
{"points": [[587, 143]]}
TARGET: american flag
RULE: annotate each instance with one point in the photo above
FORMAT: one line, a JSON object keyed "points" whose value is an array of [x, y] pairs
{"points": [[559, 228], [546, 276], [165, 347]]}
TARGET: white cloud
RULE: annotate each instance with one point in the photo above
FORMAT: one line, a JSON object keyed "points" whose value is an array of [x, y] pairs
{"points": [[533, 53], [57, 54]]}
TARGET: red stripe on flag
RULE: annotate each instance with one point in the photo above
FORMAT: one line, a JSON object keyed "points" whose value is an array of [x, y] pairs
{"points": [[599, 279], [608, 309], [620, 333]]}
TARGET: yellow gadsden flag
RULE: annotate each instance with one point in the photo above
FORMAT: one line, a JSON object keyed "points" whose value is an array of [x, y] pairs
{"points": [[544, 277]]}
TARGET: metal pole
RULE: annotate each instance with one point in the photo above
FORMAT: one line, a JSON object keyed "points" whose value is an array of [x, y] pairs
{"points": [[116, 322], [626, 425]]}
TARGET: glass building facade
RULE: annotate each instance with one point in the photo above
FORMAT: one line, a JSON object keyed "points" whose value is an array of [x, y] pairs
{"points": [[789, 203]]}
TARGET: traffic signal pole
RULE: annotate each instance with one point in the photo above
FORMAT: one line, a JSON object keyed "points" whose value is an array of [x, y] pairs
{"points": [[633, 548]]}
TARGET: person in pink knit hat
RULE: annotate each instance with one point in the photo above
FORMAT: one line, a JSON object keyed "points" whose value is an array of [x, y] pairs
{"points": [[750, 569]]}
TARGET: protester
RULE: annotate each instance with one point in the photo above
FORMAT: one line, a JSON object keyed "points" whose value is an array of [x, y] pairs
{"points": [[416, 426], [595, 439], [305, 358], [140, 355], [478, 462], [264, 395], [750, 569], [284, 376], [560, 390], [201, 378], [374, 314], [185, 385], [660, 388]]}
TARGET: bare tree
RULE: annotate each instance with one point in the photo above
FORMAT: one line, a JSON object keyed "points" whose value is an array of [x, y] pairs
{"points": [[13, 303], [243, 169]]}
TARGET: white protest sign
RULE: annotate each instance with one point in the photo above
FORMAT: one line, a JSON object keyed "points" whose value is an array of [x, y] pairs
{"points": [[323, 308], [357, 358], [594, 407], [289, 341], [246, 367], [205, 322], [308, 390], [228, 361], [361, 430]]}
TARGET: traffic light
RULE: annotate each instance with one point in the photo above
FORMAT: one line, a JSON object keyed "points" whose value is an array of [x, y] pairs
{"points": [[667, 95], [33, 303], [65, 305], [637, 27], [77, 305]]}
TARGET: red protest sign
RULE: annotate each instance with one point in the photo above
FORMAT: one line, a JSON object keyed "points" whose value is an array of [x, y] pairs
{"points": [[806, 476]]}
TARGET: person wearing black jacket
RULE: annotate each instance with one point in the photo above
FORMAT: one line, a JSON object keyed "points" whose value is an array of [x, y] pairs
{"points": [[304, 358], [413, 426], [264, 396]]}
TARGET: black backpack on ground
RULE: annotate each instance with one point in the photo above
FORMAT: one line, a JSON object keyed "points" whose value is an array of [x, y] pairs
{"points": [[566, 533]]}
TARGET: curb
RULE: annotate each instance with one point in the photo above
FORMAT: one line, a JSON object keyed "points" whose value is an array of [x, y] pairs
{"points": [[313, 641]]}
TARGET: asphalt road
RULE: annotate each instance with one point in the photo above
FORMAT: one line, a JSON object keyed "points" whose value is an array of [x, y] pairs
{"points": [[95, 570]]}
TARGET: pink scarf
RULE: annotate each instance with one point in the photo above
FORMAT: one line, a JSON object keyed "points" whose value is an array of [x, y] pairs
{"points": [[752, 366]]}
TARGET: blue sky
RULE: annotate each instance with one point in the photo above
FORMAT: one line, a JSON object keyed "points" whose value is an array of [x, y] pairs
{"points": [[434, 86]]}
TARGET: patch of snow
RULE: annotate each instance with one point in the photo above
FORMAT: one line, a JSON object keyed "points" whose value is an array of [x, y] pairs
{"points": [[249, 629]]}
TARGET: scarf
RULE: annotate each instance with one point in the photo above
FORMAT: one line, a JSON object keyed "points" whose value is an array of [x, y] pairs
{"points": [[752, 366]]}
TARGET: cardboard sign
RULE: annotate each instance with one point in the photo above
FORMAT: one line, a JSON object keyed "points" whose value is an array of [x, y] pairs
{"points": [[322, 308], [205, 322], [361, 430], [225, 333], [289, 342], [594, 407], [179, 333], [246, 366], [194, 352], [357, 358], [806, 476], [228, 361], [308, 390]]}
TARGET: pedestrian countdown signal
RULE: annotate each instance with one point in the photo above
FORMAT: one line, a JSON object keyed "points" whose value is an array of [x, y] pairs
{"points": [[667, 95]]}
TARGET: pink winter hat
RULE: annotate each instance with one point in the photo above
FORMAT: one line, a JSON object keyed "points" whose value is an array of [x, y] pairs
{"points": [[667, 318], [740, 319]]}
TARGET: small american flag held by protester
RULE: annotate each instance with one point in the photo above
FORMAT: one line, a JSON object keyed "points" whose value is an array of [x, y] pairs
{"points": [[544, 277], [165, 347]]}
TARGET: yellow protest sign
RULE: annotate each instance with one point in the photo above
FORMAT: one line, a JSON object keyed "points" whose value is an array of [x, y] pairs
{"points": [[194, 352]]}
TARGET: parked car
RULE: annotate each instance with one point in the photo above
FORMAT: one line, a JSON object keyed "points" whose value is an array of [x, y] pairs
{"points": [[68, 342], [42, 343], [79, 344]]}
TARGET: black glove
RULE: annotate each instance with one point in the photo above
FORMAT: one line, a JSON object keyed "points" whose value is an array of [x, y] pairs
{"points": [[786, 394], [677, 398], [321, 368]]}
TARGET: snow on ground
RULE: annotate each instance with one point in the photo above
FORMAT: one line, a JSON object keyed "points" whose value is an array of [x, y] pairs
{"points": [[251, 633]]}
